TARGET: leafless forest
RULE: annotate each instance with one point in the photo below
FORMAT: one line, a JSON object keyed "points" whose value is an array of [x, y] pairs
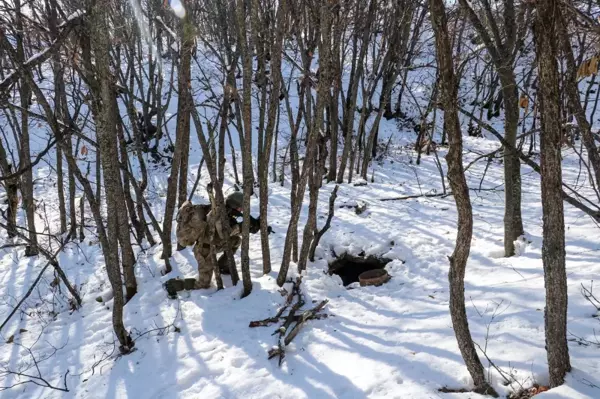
{"points": [[287, 93]]}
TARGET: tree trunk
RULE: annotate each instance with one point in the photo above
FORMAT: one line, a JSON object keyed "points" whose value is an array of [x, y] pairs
{"points": [[107, 140], [180, 140], [513, 223], [348, 124], [12, 193], [572, 89], [248, 176], [185, 75], [275, 51], [125, 203], [456, 177], [24, 163], [553, 244]]}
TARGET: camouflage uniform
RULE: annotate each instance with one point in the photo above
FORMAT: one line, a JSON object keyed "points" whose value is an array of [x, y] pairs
{"points": [[198, 225]]}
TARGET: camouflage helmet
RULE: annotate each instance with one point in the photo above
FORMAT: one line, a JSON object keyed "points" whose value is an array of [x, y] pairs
{"points": [[235, 200]]}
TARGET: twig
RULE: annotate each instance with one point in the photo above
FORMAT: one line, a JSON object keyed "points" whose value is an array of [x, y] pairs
{"points": [[162, 330], [280, 350], [288, 302], [54, 263], [593, 213], [32, 378], [318, 234], [588, 294], [300, 320], [307, 315], [38, 278]]}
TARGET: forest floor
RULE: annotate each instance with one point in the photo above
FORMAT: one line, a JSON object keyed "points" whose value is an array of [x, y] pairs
{"points": [[392, 341]]}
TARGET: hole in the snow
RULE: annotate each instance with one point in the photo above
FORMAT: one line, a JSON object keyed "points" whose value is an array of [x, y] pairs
{"points": [[350, 267]]}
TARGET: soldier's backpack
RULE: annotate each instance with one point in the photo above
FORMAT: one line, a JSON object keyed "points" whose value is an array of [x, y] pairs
{"points": [[191, 223]]}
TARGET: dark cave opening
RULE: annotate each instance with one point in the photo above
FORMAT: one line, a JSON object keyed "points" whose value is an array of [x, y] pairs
{"points": [[350, 267]]}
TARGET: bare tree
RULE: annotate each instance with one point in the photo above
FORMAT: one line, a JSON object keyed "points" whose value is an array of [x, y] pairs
{"points": [[181, 139], [24, 162], [245, 45], [547, 39], [503, 47], [460, 190], [103, 93]]}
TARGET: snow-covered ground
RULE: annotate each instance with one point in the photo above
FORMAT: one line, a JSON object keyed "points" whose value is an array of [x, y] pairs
{"points": [[393, 341]]}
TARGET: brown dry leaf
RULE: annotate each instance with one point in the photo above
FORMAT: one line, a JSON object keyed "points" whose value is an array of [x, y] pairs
{"points": [[22, 330], [10, 339], [593, 66], [586, 68], [523, 101], [542, 388], [580, 72], [84, 150]]}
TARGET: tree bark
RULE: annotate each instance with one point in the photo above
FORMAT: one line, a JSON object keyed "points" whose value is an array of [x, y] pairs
{"points": [[248, 175], [553, 244], [513, 223], [185, 76], [12, 193], [460, 190], [502, 51], [572, 90], [24, 163], [107, 140], [180, 140]]}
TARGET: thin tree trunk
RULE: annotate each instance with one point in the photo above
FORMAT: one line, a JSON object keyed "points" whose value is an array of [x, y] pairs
{"points": [[513, 222], [275, 51], [245, 46], [553, 244], [460, 190], [348, 125], [185, 75], [180, 140], [59, 109], [12, 193], [107, 140], [24, 163], [572, 90]]}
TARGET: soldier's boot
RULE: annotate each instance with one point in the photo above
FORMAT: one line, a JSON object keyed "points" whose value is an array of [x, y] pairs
{"points": [[222, 263], [175, 285]]}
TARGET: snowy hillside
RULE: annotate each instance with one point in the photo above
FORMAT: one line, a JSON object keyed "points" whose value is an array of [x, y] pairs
{"points": [[392, 341], [395, 340]]}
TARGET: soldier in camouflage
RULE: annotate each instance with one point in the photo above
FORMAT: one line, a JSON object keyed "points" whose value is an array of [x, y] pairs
{"points": [[198, 225]]}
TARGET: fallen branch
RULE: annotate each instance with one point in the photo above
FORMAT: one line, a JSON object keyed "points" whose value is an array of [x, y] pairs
{"points": [[416, 196], [307, 315], [291, 318], [288, 302]]}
